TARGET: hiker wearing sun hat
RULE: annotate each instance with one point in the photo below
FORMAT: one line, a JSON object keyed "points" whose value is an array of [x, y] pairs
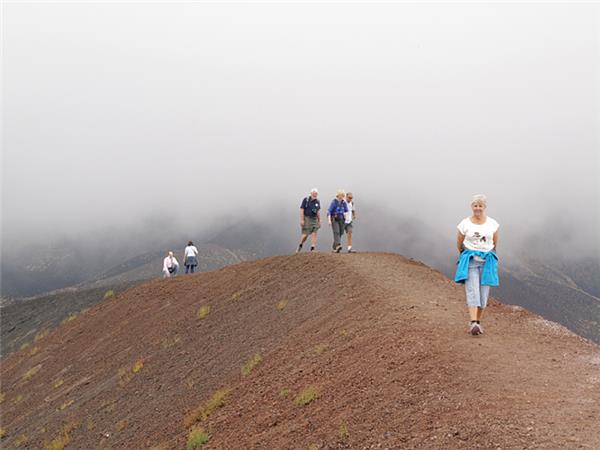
{"points": [[336, 214], [310, 219], [170, 266]]}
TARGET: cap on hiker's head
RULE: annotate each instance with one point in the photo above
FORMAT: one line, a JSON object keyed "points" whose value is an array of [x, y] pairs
{"points": [[479, 198], [315, 190]]}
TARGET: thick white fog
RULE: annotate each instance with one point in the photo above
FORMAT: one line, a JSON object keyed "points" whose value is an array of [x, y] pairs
{"points": [[117, 113]]}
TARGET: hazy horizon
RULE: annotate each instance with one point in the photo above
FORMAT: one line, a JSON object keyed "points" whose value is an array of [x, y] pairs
{"points": [[153, 117]]}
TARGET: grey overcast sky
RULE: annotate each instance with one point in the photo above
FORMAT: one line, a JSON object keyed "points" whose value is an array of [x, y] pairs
{"points": [[118, 111]]}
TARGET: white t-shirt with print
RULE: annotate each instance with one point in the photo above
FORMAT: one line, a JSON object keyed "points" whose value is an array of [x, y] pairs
{"points": [[348, 215], [478, 237]]}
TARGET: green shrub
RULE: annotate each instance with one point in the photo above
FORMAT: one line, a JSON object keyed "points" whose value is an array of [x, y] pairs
{"points": [[203, 312], [251, 364], [109, 294], [197, 438], [306, 396]]}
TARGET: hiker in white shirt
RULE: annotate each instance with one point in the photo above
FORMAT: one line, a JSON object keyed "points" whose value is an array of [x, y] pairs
{"points": [[349, 218], [190, 257], [170, 266]]}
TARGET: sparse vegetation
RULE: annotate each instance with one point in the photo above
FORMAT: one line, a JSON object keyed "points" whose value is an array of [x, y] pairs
{"points": [[89, 424], [18, 399], [312, 447], [170, 342], [41, 335], [284, 392], [159, 447], [63, 439], [58, 383], [109, 294], [282, 304], [344, 431], [21, 440], [126, 374], [70, 318], [236, 296], [204, 411], [197, 438], [34, 351], [320, 348], [66, 404], [139, 364], [31, 372], [203, 312], [121, 425], [251, 364], [306, 396], [24, 345], [2, 433]]}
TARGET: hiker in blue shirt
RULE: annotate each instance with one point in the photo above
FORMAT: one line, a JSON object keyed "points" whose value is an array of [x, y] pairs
{"points": [[336, 216], [477, 267]]}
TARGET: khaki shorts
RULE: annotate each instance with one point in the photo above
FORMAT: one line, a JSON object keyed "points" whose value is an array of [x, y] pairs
{"points": [[311, 225], [348, 227]]}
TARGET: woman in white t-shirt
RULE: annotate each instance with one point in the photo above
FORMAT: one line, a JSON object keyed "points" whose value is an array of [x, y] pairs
{"points": [[190, 257], [477, 233], [170, 266]]}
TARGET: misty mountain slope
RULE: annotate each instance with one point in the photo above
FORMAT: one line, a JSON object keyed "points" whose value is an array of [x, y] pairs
{"points": [[375, 342]]}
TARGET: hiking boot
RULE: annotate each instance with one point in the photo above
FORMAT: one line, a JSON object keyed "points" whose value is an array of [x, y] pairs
{"points": [[299, 249], [312, 249], [474, 328], [338, 249], [351, 251]]}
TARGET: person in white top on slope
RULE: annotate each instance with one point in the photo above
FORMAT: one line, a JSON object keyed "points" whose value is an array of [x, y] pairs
{"points": [[190, 257], [349, 218], [170, 266]]}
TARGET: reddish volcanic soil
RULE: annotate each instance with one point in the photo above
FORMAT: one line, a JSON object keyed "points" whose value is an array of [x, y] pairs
{"points": [[380, 339]]}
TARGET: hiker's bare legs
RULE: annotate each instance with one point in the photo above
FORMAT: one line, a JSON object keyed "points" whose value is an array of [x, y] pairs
{"points": [[479, 313], [305, 237], [475, 312], [349, 234], [313, 240]]}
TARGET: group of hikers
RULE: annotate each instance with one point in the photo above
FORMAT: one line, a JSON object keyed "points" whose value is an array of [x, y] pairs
{"points": [[341, 215], [476, 242], [190, 261]]}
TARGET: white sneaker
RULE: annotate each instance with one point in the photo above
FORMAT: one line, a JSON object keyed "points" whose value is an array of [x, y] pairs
{"points": [[475, 328]]}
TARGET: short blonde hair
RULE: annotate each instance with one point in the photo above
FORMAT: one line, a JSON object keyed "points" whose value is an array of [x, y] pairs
{"points": [[479, 198], [340, 192]]}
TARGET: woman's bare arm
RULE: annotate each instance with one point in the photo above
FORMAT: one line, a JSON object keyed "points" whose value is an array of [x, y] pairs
{"points": [[460, 238]]}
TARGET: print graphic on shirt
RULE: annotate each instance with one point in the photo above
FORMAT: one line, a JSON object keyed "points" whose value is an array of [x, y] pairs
{"points": [[479, 237]]}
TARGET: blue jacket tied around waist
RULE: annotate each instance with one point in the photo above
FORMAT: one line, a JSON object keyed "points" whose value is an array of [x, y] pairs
{"points": [[489, 276]]}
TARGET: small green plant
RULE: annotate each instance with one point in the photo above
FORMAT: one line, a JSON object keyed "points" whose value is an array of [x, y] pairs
{"points": [[236, 296], [18, 399], [66, 404], [251, 364], [63, 439], [70, 318], [24, 345], [344, 431], [306, 396], [170, 342], [204, 411], [89, 424], [121, 425], [197, 438], [284, 392], [58, 383], [109, 294], [282, 304], [203, 312], [41, 335], [21, 440], [126, 374], [320, 348], [34, 351], [312, 447], [139, 364], [31, 372]]}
